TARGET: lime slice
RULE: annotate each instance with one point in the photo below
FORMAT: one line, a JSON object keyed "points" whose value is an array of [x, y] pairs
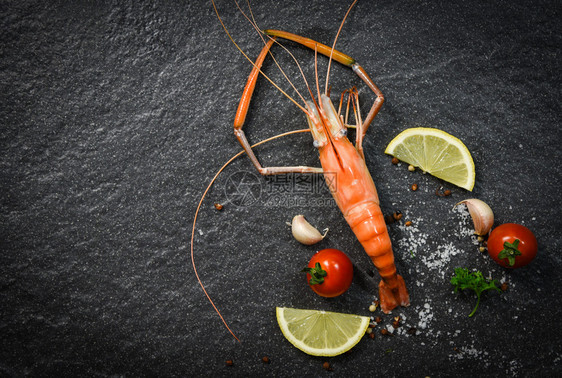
{"points": [[321, 333], [435, 152]]}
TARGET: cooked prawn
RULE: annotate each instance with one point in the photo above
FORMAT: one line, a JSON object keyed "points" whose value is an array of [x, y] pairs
{"points": [[343, 164]]}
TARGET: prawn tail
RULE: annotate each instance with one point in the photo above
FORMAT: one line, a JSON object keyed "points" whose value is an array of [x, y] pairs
{"points": [[393, 295], [370, 228], [392, 289]]}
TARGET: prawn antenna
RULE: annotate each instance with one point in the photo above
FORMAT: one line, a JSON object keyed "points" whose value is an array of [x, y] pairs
{"points": [[316, 72], [334, 44], [199, 208], [254, 24], [252, 63]]}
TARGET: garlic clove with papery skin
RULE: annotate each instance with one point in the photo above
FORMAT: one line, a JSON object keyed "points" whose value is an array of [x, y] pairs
{"points": [[482, 215], [304, 232]]}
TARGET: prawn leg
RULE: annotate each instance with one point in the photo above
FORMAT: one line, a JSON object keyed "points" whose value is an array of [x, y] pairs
{"points": [[240, 118], [347, 61]]}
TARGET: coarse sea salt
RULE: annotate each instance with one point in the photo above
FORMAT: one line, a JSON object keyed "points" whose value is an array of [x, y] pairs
{"points": [[514, 366], [426, 316], [471, 352], [439, 258], [414, 240], [464, 227], [433, 258], [415, 243]]}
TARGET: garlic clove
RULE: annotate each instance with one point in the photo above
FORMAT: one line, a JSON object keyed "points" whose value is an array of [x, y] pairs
{"points": [[482, 215], [304, 232]]}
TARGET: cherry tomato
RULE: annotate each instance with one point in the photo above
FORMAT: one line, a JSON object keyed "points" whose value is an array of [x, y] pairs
{"points": [[512, 245], [329, 272]]}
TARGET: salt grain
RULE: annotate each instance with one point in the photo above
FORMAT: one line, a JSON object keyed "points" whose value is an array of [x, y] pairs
{"points": [[440, 258], [464, 226], [413, 239], [426, 316], [471, 353]]}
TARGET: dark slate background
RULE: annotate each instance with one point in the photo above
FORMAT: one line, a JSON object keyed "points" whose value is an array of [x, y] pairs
{"points": [[116, 115]]}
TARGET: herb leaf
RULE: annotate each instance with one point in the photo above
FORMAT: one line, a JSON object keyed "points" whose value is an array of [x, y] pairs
{"points": [[463, 279]]}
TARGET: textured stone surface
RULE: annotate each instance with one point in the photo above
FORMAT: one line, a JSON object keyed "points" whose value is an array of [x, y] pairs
{"points": [[115, 116]]}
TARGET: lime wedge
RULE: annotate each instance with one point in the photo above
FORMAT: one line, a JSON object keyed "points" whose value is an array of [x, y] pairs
{"points": [[321, 333], [435, 152]]}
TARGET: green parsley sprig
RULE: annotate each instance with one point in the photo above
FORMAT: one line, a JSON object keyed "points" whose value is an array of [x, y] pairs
{"points": [[463, 279]]}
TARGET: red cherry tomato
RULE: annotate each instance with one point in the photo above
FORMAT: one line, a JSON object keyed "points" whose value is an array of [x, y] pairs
{"points": [[329, 272], [512, 245]]}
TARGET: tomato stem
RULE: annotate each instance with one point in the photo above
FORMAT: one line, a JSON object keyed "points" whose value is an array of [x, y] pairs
{"points": [[510, 251], [317, 274]]}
